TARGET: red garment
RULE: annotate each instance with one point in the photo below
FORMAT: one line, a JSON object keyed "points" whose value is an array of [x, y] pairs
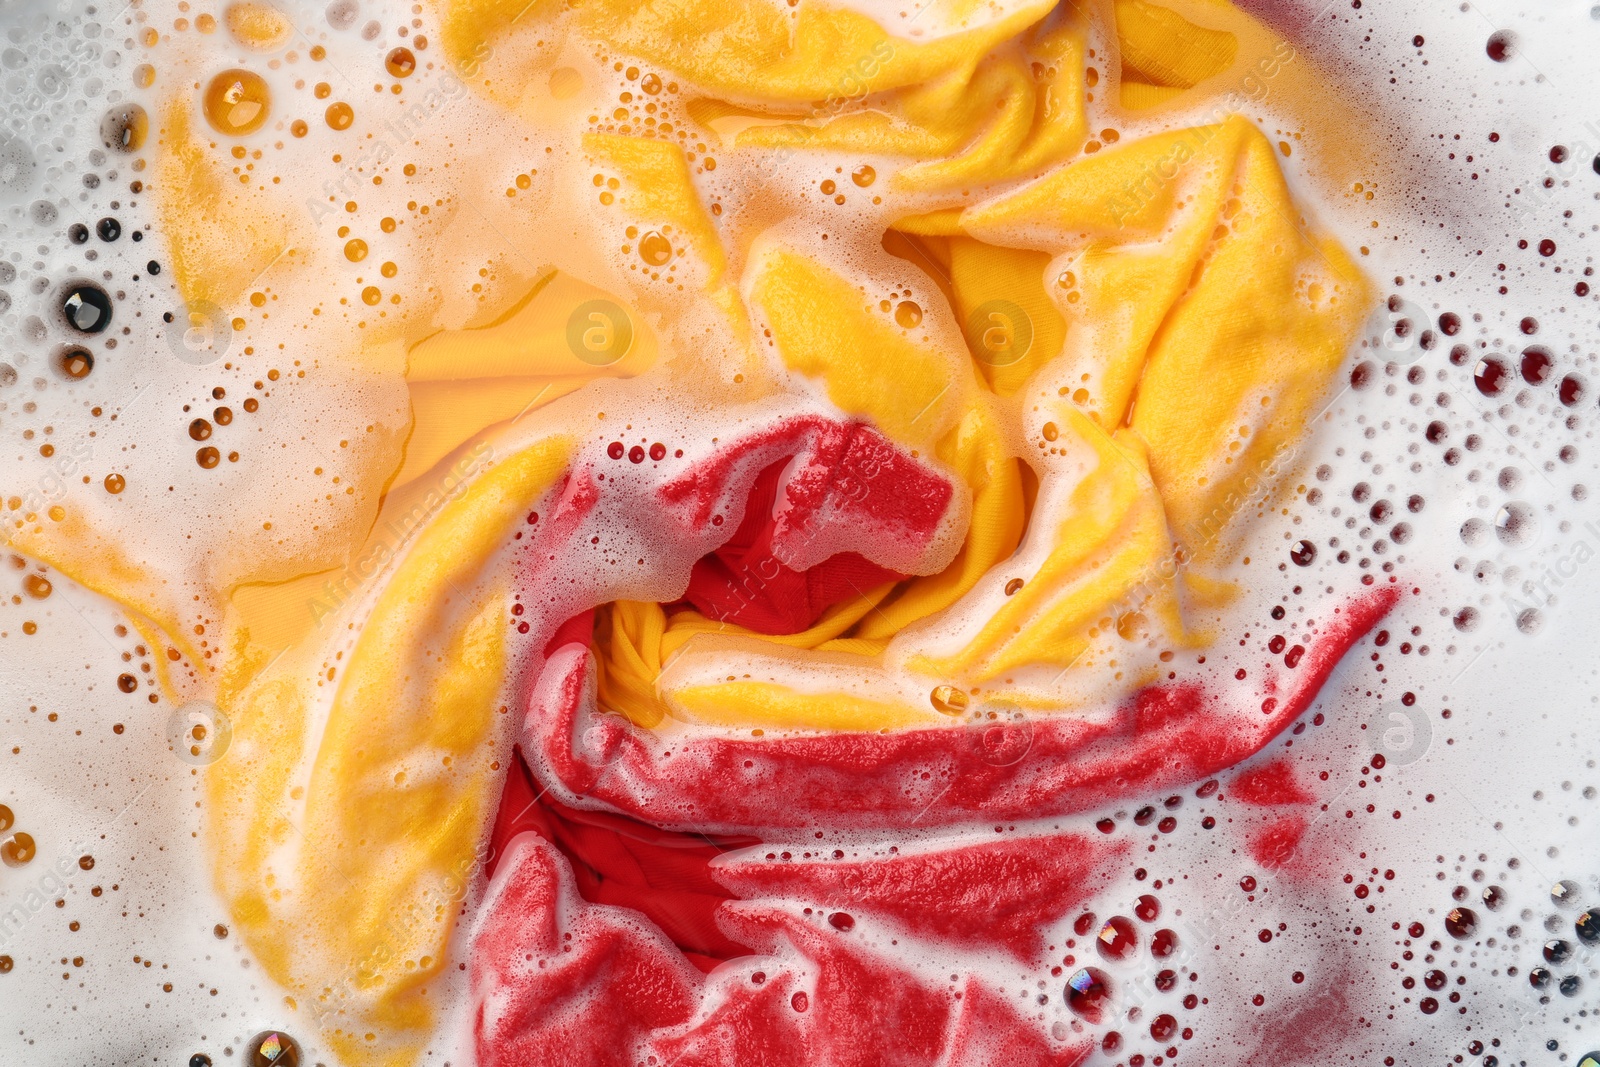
{"points": [[599, 923], [743, 582]]}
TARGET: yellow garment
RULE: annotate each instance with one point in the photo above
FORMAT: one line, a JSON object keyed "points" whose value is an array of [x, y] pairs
{"points": [[346, 883]]}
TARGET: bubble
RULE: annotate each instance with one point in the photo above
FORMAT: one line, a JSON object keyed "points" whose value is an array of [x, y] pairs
{"points": [[17, 166], [1302, 553], [1557, 951], [949, 700], [87, 308], [1474, 532], [400, 62], [1461, 923], [273, 1049], [236, 102], [1501, 45], [1516, 523], [1491, 376], [1530, 620], [43, 212], [342, 14], [908, 314], [18, 850], [864, 175], [78, 233], [1566, 893], [108, 229], [1117, 939], [75, 362], [1586, 926], [655, 249], [1537, 362], [124, 127], [1088, 993]]}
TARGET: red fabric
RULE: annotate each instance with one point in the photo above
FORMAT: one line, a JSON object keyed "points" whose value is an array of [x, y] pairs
{"points": [[1161, 738], [1269, 785], [558, 983], [743, 582], [847, 483], [999, 892], [624, 862]]}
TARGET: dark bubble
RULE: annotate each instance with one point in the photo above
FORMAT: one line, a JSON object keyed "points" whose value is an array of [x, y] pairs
{"points": [[1502, 45], [1536, 364], [1461, 923], [1587, 927], [1571, 390], [1490, 376], [1087, 993], [1558, 154], [1557, 951], [77, 233], [1450, 323], [124, 127], [273, 1049], [1363, 374], [87, 308], [108, 228]]}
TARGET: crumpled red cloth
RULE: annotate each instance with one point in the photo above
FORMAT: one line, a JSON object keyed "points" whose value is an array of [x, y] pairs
{"points": [[744, 582], [632, 917]]}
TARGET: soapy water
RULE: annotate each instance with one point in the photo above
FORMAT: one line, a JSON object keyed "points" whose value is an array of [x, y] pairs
{"points": [[1388, 897]]}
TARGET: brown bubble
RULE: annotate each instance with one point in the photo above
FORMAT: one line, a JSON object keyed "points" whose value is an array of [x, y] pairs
{"points": [[18, 850], [124, 127], [251, 404], [208, 457], [220, 930], [340, 115], [1013, 586], [199, 429], [127, 683], [222, 416], [949, 700], [322, 90], [400, 63], [827, 187], [115, 483], [8, 819], [389, 270], [86, 863], [864, 175], [908, 313], [37, 586], [355, 250], [371, 295], [299, 128], [651, 83], [6, 964], [655, 249], [75, 362], [236, 102]]}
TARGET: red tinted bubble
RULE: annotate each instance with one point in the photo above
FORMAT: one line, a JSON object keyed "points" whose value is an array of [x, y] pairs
{"points": [[1537, 363], [1088, 993], [1571, 390], [1117, 939], [1147, 908], [1491, 376], [1163, 944]]}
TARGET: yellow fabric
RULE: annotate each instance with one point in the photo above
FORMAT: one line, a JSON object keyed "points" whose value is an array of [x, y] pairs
{"points": [[1215, 344], [823, 328], [1105, 559], [1158, 46], [347, 884]]}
